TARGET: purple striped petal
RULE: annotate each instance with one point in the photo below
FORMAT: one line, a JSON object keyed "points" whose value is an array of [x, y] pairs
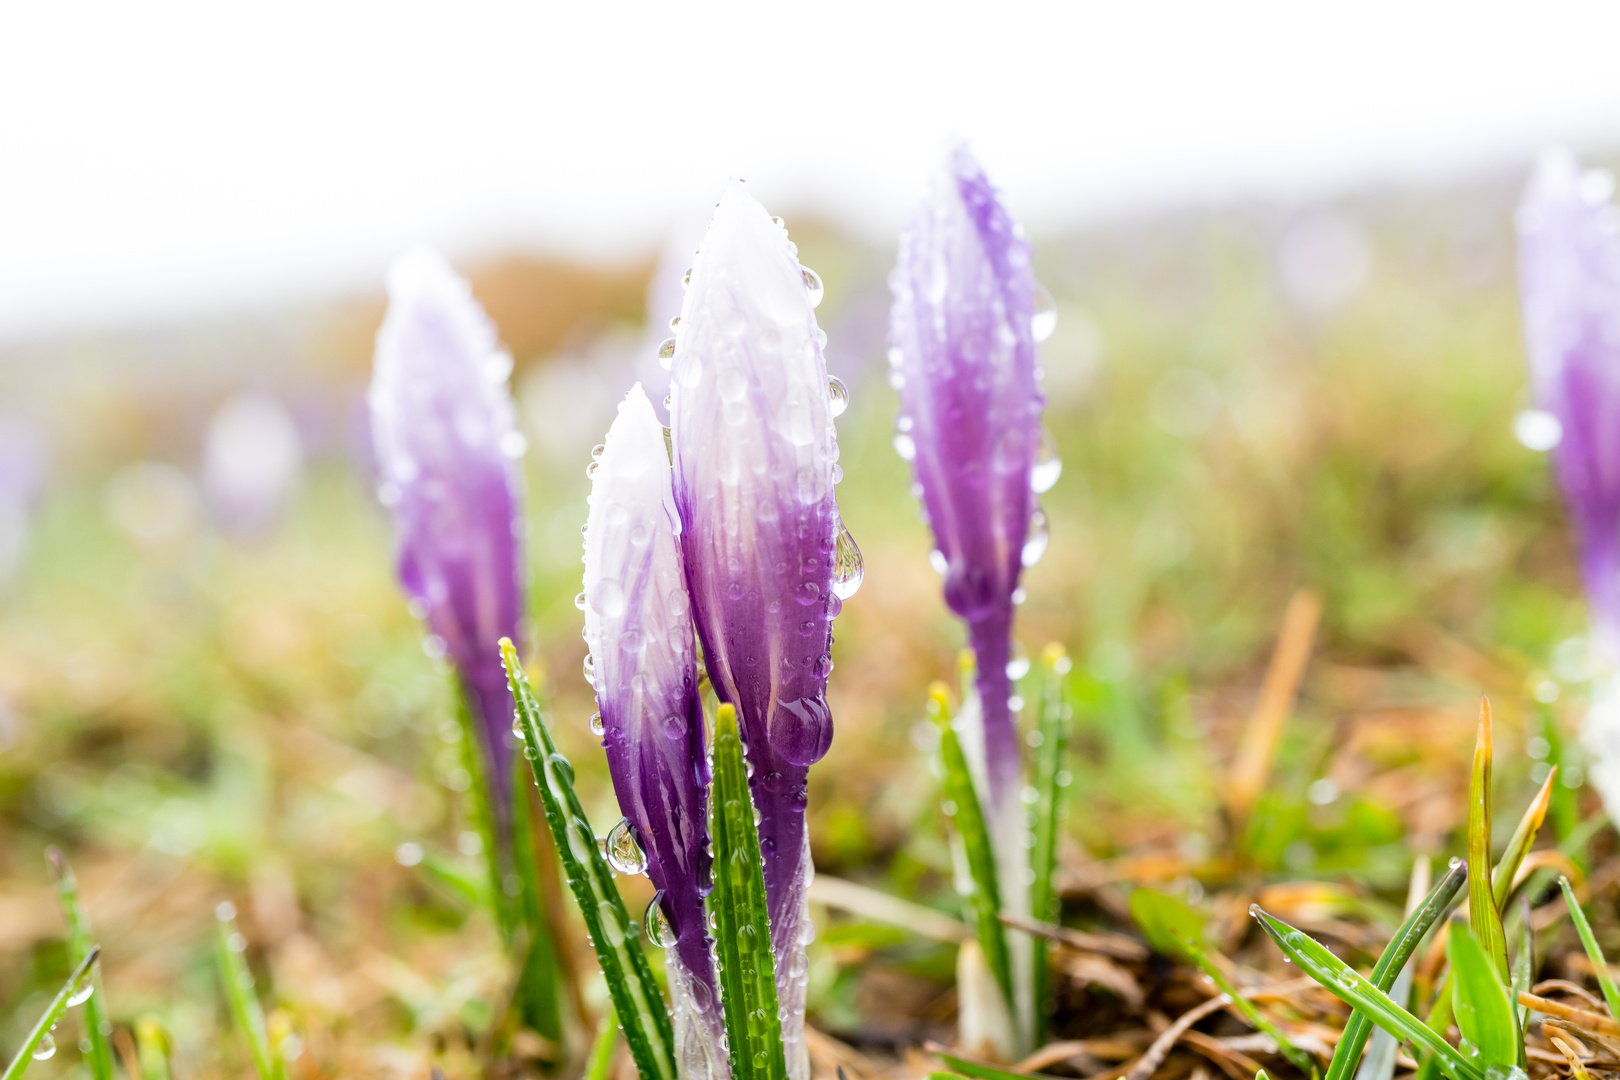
{"points": [[963, 356], [755, 460], [638, 625], [1569, 289], [441, 418]]}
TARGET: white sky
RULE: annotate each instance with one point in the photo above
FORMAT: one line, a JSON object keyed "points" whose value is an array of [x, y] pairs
{"points": [[161, 160]]}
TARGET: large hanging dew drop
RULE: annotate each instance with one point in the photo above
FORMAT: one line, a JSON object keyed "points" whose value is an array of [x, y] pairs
{"points": [[1035, 540], [1044, 319], [1018, 663], [656, 923], [598, 725], [666, 353], [82, 994], [837, 396], [1048, 466], [46, 1048], [848, 568], [813, 286], [623, 853]]}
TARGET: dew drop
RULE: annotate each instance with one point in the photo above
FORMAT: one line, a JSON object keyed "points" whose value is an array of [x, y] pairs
{"points": [[518, 732], [779, 223], [612, 924], [666, 353], [598, 725], [674, 324], [597, 451], [1035, 540], [82, 995], [656, 923], [813, 286], [1018, 665], [686, 278], [673, 726], [838, 396], [1044, 319], [937, 559], [905, 446], [623, 853], [46, 1048], [579, 600], [848, 568], [590, 470], [1048, 466]]}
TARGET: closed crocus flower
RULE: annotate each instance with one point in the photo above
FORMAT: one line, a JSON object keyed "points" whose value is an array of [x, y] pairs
{"points": [[441, 419], [1569, 293], [767, 560], [963, 357], [638, 626]]}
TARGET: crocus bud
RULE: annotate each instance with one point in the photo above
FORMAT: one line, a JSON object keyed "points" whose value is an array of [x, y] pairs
{"points": [[638, 626], [1569, 293], [767, 560], [441, 418], [963, 358]]}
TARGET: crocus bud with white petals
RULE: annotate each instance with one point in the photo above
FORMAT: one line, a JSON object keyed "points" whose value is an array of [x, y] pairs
{"points": [[1569, 295], [638, 626], [768, 562], [963, 357], [441, 418]]}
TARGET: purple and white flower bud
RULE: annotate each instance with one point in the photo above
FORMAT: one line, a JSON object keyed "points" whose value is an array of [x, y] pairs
{"points": [[768, 562], [441, 419], [963, 358], [1569, 293], [638, 626]]}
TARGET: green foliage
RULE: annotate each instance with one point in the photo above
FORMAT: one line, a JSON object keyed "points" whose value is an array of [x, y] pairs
{"points": [[240, 998], [962, 805], [1390, 962], [53, 1012], [1051, 785], [96, 1025], [647, 1029], [1315, 960], [1484, 1014], [1483, 913], [539, 980], [1168, 923], [742, 923], [607, 1037], [1600, 966]]}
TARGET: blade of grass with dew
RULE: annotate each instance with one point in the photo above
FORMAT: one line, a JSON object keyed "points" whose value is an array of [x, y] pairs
{"points": [[482, 813], [1522, 840], [1524, 970], [1392, 960], [96, 1026], [977, 1070], [539, 997], [743, 955], [1484, 1014], [1257, 1020], [246, 1012], [962, 805], [647, 1029], [1594, 954], [1315, 960], [607, 1037], [1052, 725], [41, 1031], [1483, 915], [152, 1048]]}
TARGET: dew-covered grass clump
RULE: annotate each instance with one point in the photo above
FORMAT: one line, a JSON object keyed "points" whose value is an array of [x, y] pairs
{"points": [[1179, 648]]}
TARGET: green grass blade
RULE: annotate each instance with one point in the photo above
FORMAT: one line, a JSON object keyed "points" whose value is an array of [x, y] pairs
{"points": [[152, 1049], [1524, 969], [1392, 960], [239, 996], [1522, 840], [539, 983], [1483, 913], [1052, 723], [1484, 1014], [481, 811], [53, 1012], [1297, 1057], [647, 1029], [1600, 967], [1343, 982], [746, 964], [977, 1070], [962, 804], [607, 1037], [96, 1025]]}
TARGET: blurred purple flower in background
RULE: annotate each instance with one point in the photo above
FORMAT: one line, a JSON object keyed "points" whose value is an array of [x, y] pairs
{"points": [[252, 456], [638, 626], [768, 561], [966, 317], [441, 418]]}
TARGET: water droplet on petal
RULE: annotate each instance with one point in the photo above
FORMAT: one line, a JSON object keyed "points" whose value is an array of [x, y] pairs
{"points": [[1044, 319], [656, 923], [848, 568], [666, 353], [598, 725], [1035, 540], [674, 324], [939, 562], [1048, 466], [813, 286], [838, 395], [905, 446], [579, 600], [597, 451], [46, 1048], [624, 854], [590, 470]]}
